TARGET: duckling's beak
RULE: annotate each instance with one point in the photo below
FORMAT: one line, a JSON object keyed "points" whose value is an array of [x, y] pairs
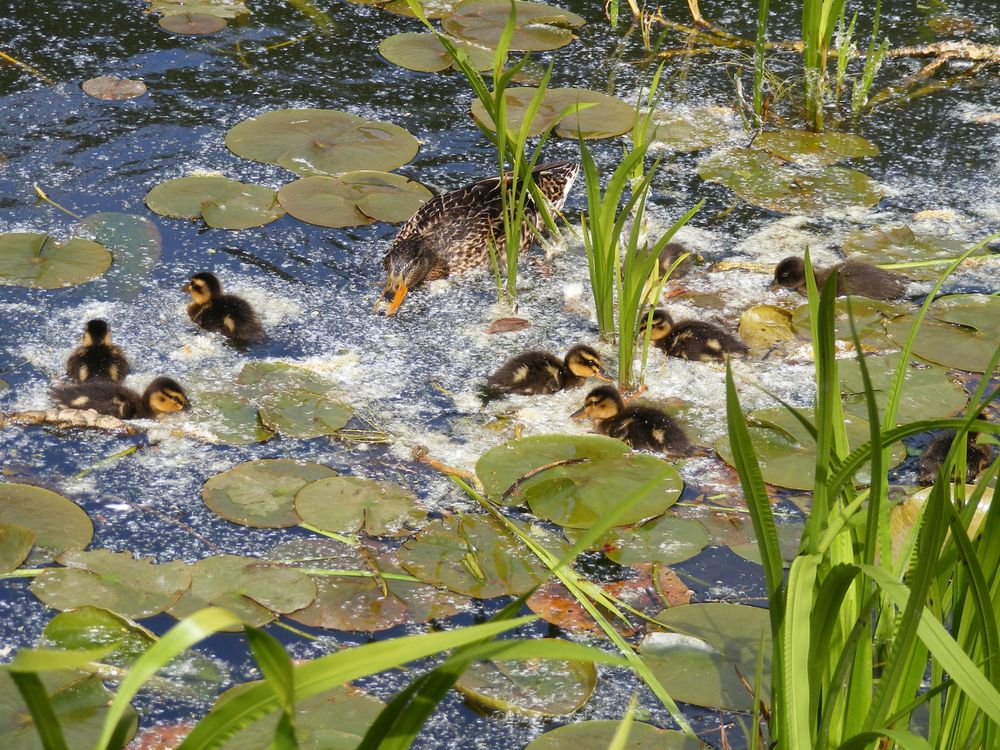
{"points": [[186, 288], [601, 376], [580, 414], [775, 287], [392, 296]]}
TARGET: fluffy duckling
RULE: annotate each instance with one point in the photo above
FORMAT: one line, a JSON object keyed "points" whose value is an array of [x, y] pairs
{"points": [[228, 314], [977, 457], [97, 358], [859, 279], [671, 252], [536, 372], [451, 232], [162, 396], [691, 339], [642, 427]]}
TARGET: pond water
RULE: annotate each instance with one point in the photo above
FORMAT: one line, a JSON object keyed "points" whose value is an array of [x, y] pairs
{"points": [[413, 377]]}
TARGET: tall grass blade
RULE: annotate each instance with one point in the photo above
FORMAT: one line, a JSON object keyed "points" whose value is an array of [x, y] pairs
{"points": [[43, 716]]}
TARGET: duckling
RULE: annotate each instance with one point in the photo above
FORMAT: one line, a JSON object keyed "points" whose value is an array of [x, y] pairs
{"points": [[977, 457], [853, 277], [536, 372], [691, 339], [642, 427], [228, 314], [451, 233], [97, 358], [162, 396], [671, 252]]}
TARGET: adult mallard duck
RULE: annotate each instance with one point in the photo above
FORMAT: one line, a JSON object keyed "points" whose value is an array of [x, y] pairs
{"points": [[642, 427], [691, 339], [853, 277], [227, 314], [451, 233], [538, 372], [162, 396], [97, 358]]}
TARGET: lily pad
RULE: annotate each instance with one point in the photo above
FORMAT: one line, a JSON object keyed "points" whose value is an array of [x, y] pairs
{"points": [[295, 401], [812, 148], [765, 181], [16, 542], [928, 392], [960, 331], [221, 202], [387, 197], [665, 540], [111, 88], [58, 523], [900, 244], [228, 417], [580, 494], [533, 687], [262, 493], [192, 24], [424, 53], [607, 118], [598, 735], [353, 199], [111, 580], [321, 142], [135, 242], [691, 130], [537, 26], [786, 452], [870, 318], [90, 627], [764, 326], [37, 260], [349, 505], [789, 537], [218, 8]]}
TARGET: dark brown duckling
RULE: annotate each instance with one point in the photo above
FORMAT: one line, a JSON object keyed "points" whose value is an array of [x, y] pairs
{"points": [[97, 358], [537, 372], [227, 314], [853, 277], [162, 396], [671, 252], [642, 427], [977, 457], [691, 339]]}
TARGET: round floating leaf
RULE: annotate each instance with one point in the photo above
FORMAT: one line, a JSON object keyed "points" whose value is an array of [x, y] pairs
{"points": [[537, 26], [228, 417], [789, 536], [221, 202], [608, 118], [323, 201], [472, 555], [533, 687], [349, 505], [387, 197], [248, 587], [900, 245], [763, 326], [135, 242], [295, 401], [764, 181], [598, 735], [90, 627], [111, 580], [808, 147], [424, 53], [693, 130], [928, 392], [218, 8], [786, 451], [262, 493], [500, 467], [321, 142], [192, 24], [666, 540], [110, 87], [870, 318], [960, 331], [37, 260], [59, 524], [580, 494], [16, 542]]}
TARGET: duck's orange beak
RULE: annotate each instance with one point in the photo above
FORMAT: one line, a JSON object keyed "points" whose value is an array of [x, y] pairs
{"points": [[392, 296], [580, 414]]}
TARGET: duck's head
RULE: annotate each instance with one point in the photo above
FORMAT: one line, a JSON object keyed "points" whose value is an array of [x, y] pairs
{"points": [[203, 287], [660, 325], [96, 332], [603, 402], [584, 362], [671, 252], [165, 395], [789, 274], [407, 263]]}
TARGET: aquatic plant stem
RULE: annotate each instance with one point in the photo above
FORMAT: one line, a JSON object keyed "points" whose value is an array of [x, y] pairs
{"points": [[109, 460], [352, 541], [296, 631], [24, 66], [44, 197]]}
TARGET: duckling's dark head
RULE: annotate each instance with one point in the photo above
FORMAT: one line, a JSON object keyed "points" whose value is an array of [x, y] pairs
{"points": [[670, 253], [584, 362], [406, 263], [203, 287], [659, 326], [96, 332], [165, 395], [789, 274], [603, 402]]}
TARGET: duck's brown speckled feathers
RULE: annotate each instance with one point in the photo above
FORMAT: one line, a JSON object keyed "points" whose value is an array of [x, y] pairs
{"points": [[853, 277], [451, 232], [977, 457], [691, 339], [641, 427], [161, 397], [227, 314], [538, 372], [97, 358]]}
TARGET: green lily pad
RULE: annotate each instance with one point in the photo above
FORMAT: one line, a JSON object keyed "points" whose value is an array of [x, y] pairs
{"points": [[960, 331], [692, 130], [533, 687], [789, 537], [221, 202], [90, 627], [321, 142], [786, 452], [598, 735], [218, 8], [928, 392], [192, 24], [136, 244], [349, 505], [433, 9], [37, 260], [387, 197], [58, 523], [899, 245], [262, 493], [251, 589], [227, 417], [353, 199], [474, 556], [537, 26], [294, 401], [808, 147], [607, 118], [16, 542], [424, 53], [666, 540], [580, 494], [499, 468], [870, 319], [764, 181], [115, 581]]}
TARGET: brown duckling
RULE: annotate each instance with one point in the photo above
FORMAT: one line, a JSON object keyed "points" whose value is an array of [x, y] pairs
{"points": [[691, 339], [162, 396], [853, 277], [97, 358], [977, 457], [227, 314], [537, 372], [671, 252], [642, 427]]}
